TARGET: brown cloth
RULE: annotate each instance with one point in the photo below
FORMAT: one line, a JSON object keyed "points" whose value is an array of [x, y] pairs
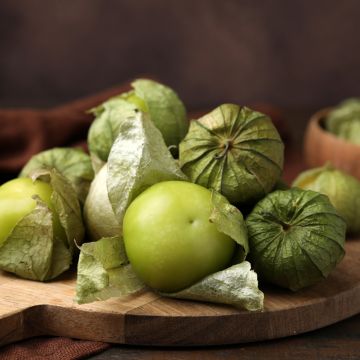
{"points": [[59, 348], [26, 132]]}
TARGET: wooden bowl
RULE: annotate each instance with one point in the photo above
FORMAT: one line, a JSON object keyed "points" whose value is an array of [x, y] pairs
{"points": [[321, 146]]}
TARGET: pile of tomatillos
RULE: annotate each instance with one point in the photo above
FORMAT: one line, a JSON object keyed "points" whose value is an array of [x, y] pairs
{"points": [[162, 201]]}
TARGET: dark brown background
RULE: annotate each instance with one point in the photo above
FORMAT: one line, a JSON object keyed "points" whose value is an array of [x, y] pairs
{"points": [[290, 53]]}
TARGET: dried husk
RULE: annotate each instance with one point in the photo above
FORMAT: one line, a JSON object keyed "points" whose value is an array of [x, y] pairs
{"points": [[344, 121], [235, 151], [138, 159], [34, 250], [296, 238], [342, 189], [74, 164]]}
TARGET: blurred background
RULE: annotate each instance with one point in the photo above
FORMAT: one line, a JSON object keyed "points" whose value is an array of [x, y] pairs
{"points": [[287, 53]]}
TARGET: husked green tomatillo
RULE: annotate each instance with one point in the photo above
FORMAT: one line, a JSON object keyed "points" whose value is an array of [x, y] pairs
{"points": [[170, 241], [342, 189], [16, 202], [40, 221], [138, 159]]}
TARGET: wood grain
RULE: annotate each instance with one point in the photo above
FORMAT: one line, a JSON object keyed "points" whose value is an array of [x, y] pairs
{"points": [[30, 309]]}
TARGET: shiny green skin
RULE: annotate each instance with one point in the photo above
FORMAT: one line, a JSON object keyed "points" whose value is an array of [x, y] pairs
{"points": [[16, 202], [296, 238], [169, 240]]}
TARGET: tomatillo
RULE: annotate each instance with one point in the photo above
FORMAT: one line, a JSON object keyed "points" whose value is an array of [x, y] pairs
{"points": [[169, 240], [16, 201]]}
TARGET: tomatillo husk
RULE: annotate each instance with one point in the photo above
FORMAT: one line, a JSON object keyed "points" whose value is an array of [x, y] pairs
{"points": [[342, 189], [296, 238], [235, 151]]}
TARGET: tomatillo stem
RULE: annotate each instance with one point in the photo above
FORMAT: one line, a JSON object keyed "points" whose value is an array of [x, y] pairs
{"points": [[225, 150]]}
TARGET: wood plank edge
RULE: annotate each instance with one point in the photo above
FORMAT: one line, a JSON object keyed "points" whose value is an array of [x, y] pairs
{"points": [[155, 330], [243, 327], [14, 326]]}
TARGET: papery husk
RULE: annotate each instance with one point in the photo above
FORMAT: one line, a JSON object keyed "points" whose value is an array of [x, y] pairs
{"points": [[236, 286], [104, 271], [138, 159], [34, 250], [344, 120], [342, 189], [235, 151], [160, 102], [166, 109], [74, 164], [296, 238]]}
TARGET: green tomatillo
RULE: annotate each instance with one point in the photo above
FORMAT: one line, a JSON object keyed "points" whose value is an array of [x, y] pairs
{"points": [[235, 151], [40, 222], [161, 104], [296, 238], [17, 201], [169, 239], [342, 189]]}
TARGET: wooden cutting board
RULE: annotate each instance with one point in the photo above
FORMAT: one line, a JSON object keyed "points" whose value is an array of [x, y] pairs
{"points": [[29, 308]]}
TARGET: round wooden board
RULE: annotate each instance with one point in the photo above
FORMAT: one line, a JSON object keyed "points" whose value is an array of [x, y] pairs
{"points": [[30, 308]]}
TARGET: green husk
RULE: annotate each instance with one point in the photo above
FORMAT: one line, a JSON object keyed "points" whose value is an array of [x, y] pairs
{"points": [[166, 110], [296, 238], [32, 236], [73, 164], [99, 216], [162, 104], [229, 220], [66, 205], [138, 159], [236, 286], [235, 151], [106, 127], [342, 189], [104, 271], [32, 250], [344, 121]]}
